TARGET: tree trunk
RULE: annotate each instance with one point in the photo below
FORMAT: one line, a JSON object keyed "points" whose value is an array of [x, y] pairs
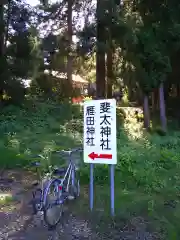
{"points": [[167, 89], [100, 54], [156, 100], [178, 90], [162, 108], [146, 112], [153, 101], [110, 51], [109, 65], [2, 30], [69, 54], [2, 57], [6, 33]]}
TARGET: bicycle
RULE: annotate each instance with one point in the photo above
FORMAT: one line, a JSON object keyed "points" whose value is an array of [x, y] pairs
{"points": [[64, 187]]}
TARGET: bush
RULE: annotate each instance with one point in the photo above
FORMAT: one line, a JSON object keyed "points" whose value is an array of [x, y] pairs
{"points": [[29, 129], [159, 131]]}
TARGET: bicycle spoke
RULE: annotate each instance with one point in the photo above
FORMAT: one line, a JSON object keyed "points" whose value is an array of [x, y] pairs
{"points": [[53, 214], [53, 209]]}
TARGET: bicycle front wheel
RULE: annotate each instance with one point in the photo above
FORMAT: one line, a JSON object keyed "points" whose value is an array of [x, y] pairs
{"points": [[53, 203], [36, 200]]}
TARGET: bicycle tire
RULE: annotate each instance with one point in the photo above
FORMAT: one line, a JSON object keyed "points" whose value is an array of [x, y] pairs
{"points": [[75, 190], [57, 203], [77, 185], [36, 200]]}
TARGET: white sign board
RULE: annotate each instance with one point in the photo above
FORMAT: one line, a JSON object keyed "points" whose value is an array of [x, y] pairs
{"points": [[100, 131]]}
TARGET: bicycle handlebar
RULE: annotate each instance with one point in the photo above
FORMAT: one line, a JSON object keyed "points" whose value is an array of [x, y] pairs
{"points": [[69, 152], [35, 164], [73, 150], [36, 156]]}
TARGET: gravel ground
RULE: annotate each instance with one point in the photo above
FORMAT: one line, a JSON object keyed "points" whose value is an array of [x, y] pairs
{"points": [[17, 222]]}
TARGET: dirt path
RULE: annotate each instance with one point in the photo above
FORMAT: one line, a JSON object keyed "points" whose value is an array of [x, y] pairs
{"points": [[18, 223]]}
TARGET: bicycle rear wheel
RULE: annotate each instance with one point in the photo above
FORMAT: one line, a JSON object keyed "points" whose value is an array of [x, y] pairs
{"points": [[75, 190], [53, 203]]}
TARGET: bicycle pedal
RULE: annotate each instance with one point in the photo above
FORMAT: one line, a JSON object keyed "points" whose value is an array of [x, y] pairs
{"points": [[40, 213], [70, 197], [60, 201], [35, 184]]}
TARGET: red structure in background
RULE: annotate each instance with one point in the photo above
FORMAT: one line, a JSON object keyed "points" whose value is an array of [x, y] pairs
{"points": [[77, 99], [77, 81], [82, 85]]}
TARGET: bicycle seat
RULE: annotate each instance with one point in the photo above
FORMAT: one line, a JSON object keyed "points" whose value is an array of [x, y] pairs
{"points": [[59, 171], [35, 164], [70, 151]]}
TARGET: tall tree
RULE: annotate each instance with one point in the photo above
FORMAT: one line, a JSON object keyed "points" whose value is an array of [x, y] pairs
{"points": [[2, 57], [69, 47], [111, 8], [100, 51]]}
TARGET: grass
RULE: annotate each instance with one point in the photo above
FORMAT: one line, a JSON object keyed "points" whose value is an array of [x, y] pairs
{"points": [[147, 180], [5, 199], [34, 129]]}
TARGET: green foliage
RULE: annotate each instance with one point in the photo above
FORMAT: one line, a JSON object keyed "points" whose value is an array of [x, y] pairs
{"points": [[33, 129], [154, 64], [147, 177], [125, 99], [52, 87], [17, 49], [145, 36], [147, 174], [144, 41], [159, 131]]}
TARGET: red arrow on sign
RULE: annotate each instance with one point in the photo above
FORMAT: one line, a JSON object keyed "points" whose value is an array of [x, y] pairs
{"points": [[94, 155]]}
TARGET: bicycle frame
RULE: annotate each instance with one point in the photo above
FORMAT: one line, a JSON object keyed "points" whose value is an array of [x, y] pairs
{"points": [[43, 185], [70, 175]]}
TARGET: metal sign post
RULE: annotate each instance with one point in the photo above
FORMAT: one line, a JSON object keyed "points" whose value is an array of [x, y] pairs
{"points": [[112, 189], [91, 187], [100, 146]]}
